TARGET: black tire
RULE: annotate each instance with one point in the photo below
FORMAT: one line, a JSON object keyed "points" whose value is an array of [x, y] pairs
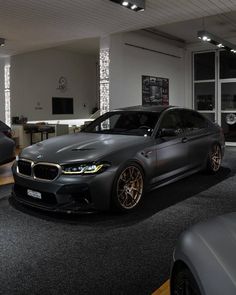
{"points": [[184, 283], [214, 159], [128, 188]]}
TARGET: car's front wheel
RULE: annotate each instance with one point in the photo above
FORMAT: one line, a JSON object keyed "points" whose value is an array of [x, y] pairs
{"points": [[128, 188], [183, 283]]}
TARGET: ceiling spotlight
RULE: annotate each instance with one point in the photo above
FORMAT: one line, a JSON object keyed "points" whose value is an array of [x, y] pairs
{"points": [[206, 38], [2, 42], [216, 41], [135, 5]]}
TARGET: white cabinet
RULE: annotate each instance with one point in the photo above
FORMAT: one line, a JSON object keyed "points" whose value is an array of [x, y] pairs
{"points": [[23, 139]]}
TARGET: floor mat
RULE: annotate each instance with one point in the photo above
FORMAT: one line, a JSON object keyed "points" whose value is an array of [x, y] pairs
{"points": [[105, 253]]}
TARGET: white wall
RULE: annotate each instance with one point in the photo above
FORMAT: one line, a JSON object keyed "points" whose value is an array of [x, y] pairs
{"points": [[128, 64], [34, 81]]}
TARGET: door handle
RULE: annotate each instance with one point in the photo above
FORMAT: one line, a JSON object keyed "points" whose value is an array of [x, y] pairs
{"points": [[184, 139]]}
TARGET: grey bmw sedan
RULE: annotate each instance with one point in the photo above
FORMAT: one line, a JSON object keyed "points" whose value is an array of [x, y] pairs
{"points": [[113, 161]]}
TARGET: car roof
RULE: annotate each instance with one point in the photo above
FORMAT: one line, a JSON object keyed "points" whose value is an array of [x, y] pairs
{"points": [[145, 108]]}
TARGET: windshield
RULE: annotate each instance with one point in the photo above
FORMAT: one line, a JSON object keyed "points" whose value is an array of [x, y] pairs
{"points": [[123, 122]]}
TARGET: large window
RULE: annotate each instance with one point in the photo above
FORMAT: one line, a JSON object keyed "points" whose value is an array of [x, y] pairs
{"points": [[204, 96], [228, 96], [214, 87], [227, 65], [204, 66], [205, 83]]}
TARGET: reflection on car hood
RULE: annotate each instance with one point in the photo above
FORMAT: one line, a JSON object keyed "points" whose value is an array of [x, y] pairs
{"points": [[80, 147]]}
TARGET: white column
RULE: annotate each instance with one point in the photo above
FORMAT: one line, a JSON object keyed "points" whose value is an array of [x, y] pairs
{"points": [[104, 74]]}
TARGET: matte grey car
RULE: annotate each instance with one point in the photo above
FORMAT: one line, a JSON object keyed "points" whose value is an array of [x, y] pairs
{"points": [[205, 260], [116, 159], [7, 145]]}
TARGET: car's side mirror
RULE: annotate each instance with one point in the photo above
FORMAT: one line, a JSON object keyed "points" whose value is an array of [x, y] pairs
{"points": [[167, 132]]}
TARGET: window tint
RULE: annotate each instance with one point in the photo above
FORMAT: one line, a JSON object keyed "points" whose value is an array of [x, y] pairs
{"points": [[171, 120], [193, 120], [127, 123], [209, 116]]}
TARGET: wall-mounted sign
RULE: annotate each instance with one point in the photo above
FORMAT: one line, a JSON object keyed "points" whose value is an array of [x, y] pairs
{"points": [[155, 91]]}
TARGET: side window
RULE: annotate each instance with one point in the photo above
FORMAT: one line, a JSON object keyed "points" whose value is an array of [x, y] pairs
{"points": [[193, 120], [171, 120]]}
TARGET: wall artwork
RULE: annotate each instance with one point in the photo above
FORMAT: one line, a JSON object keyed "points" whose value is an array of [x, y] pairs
{"points": [[155, 91]]}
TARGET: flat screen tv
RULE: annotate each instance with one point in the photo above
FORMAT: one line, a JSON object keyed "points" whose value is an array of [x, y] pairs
{"points": [[62, 105]]}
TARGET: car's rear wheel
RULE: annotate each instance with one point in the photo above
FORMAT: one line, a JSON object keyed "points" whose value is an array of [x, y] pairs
{"points": [[184, 283], [128, 188], [214, 159]]}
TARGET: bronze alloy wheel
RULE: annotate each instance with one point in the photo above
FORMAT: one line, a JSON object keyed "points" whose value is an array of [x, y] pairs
{"points": [[215, 158], [129, 187]]}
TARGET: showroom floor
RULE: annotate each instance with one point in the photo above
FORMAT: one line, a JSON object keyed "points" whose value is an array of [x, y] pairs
{"points": [[104, 253]]}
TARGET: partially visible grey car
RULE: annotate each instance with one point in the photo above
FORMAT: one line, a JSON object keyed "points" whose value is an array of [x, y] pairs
{"points": [[205, 259], [7, 145], [116, 159]]}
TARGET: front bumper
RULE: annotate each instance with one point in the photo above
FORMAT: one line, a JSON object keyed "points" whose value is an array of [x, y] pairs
{"points": [[68, 193]]}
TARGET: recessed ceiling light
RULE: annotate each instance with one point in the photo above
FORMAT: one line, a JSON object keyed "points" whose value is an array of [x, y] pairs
{"points": [[216, 41], [206, 38], [135, 5], [125, 3]]}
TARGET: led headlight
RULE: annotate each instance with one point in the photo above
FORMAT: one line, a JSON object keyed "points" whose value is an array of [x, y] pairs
{"points": [[91, 168]]}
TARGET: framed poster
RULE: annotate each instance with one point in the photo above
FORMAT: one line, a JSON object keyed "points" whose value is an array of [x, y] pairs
{"points": [[155, 91]]}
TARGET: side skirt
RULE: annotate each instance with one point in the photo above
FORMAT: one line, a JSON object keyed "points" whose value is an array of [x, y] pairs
{"points": [[175, 178]]}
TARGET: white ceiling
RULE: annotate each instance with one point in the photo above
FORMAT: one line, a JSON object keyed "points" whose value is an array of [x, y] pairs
{"points": [[223, 25], [36, 24]]}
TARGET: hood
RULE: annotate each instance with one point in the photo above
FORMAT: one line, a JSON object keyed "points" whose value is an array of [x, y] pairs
{"points": [[79, 147]]}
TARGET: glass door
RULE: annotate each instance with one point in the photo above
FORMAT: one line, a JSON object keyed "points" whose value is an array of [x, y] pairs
{"points": [[204, 84], [228, 110], [227, 96], [214, 89]]}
